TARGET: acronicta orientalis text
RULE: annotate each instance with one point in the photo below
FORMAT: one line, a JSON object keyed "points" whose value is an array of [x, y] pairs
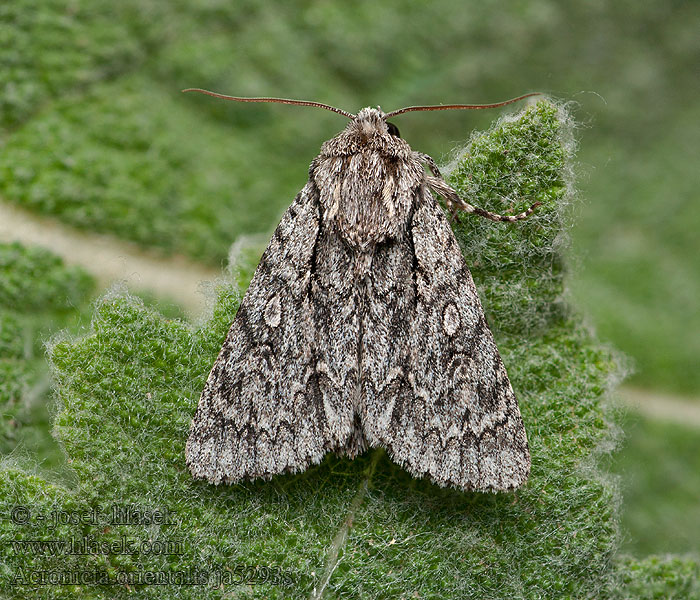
{"points": [[362, 328]]}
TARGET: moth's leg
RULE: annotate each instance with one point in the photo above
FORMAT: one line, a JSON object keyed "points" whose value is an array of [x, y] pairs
{"points": [[438, 185], [428, 160], [452, 199]]}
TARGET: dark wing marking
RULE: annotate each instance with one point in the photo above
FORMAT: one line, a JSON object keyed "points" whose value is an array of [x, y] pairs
{"points": [[435, 391]]}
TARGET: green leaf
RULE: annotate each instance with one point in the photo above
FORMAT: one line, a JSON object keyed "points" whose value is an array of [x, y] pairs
{"points": [[520, 269], [38, 294], [33, 279], [658, 578]]}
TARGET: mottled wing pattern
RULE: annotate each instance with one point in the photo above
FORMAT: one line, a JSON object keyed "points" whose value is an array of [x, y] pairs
{"points": [[265, 408], [334, 315], [436, 392]]}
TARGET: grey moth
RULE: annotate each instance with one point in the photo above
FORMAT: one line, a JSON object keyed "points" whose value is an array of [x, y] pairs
{"points": [[362, 328]]}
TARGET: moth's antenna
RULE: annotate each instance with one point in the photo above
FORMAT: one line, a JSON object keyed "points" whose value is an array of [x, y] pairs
{"points": [[454, 106], [278, 100]]}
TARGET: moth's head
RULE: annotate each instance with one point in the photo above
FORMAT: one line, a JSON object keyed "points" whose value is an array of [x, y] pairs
{"points": [[368, 130], [372, 121]]}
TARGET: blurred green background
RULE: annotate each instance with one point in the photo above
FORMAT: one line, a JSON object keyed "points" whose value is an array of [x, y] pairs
{"points": [[95, 133]]}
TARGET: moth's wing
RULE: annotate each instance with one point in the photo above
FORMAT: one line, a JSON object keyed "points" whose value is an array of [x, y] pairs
{"points": [[437, 394], [262, 409]]}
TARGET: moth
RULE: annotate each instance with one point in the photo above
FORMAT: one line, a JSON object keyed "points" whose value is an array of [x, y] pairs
{"points": [[362, 328]]}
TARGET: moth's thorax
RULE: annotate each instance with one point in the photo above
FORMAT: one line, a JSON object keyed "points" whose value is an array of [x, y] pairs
{"points": [[367, 179]]}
